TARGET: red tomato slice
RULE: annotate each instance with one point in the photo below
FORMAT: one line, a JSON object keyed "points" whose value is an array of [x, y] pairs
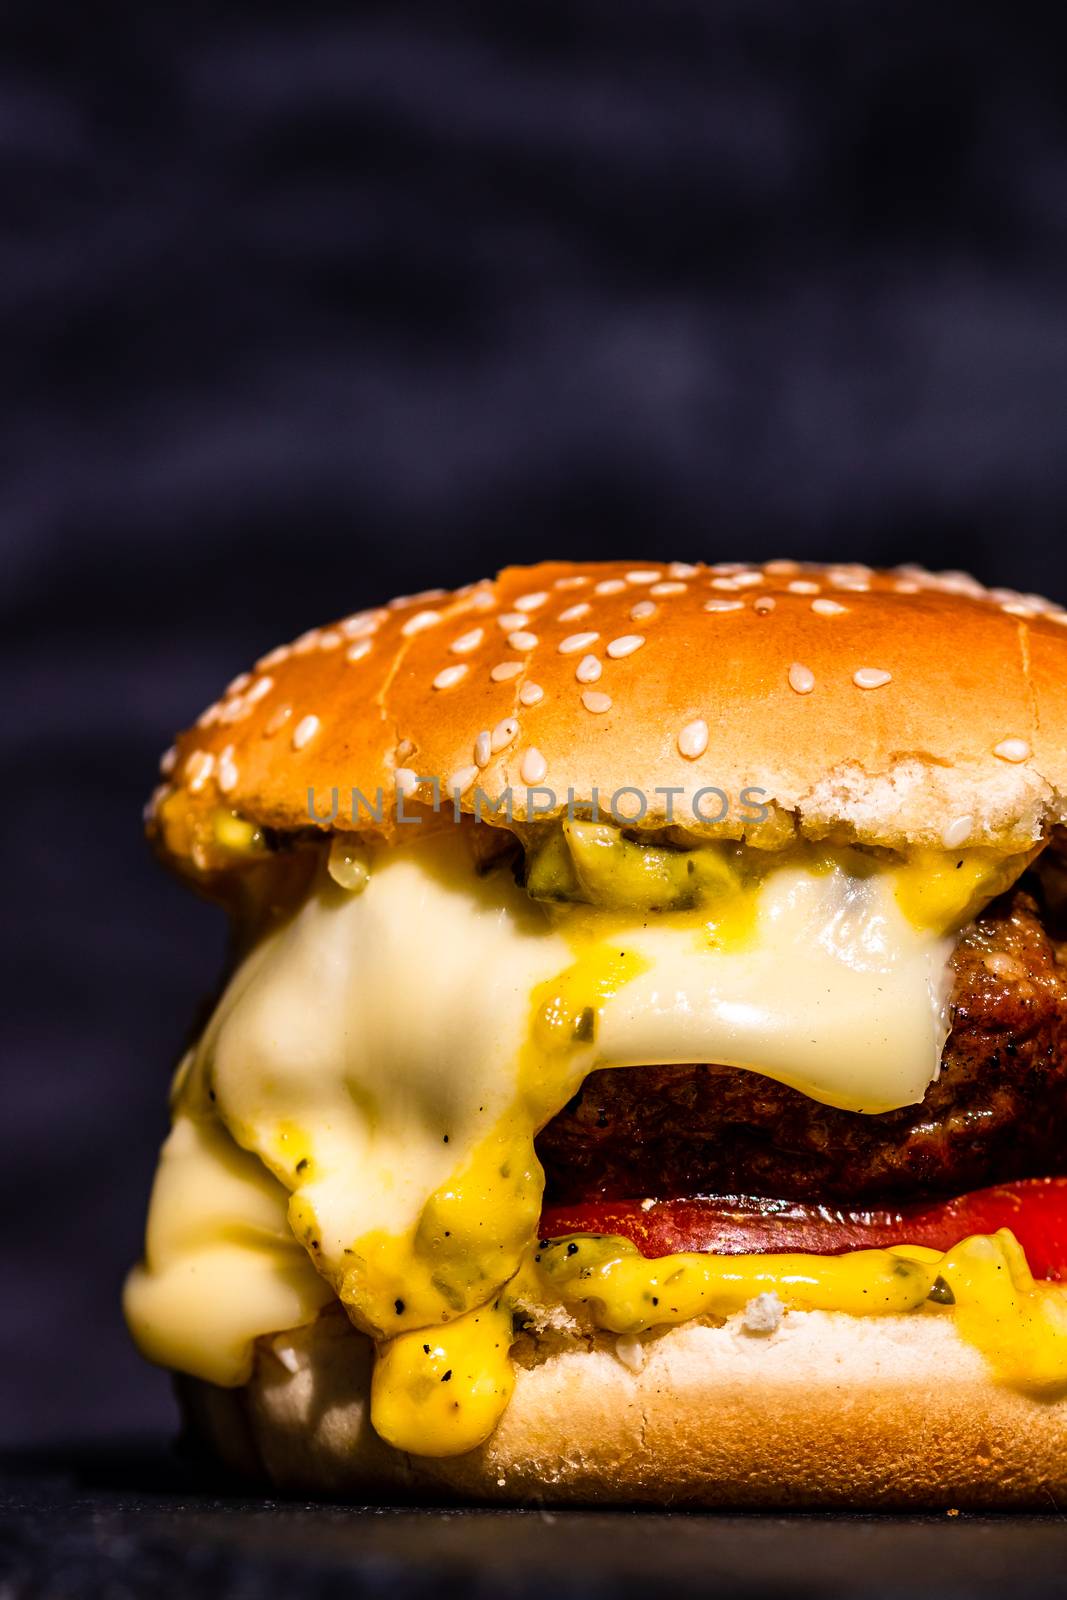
{"points": [[1035, 1210]]}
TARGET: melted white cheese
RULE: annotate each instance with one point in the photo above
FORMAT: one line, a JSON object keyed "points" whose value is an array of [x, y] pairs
{"points": [[837, 994], [378, 1035], [352, 1040], [221, 1264]]}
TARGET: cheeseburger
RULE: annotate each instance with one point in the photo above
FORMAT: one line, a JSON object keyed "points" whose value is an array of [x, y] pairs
{"points": [[641, 1069]]}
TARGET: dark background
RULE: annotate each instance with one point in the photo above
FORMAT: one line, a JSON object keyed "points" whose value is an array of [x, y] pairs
{"points": [[300, 308]]}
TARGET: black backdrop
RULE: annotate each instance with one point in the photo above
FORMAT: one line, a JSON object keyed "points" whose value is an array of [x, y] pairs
{"points": [[302, 307]]}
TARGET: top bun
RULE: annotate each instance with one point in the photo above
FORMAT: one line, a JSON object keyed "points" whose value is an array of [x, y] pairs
{"points": [[898, 708]]}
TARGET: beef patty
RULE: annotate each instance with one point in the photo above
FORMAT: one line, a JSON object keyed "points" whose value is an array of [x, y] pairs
{"points": [[997, 1111]]}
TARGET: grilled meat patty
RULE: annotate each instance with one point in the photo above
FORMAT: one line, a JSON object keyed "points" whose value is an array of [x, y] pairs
{"points": [[997, 1111]]}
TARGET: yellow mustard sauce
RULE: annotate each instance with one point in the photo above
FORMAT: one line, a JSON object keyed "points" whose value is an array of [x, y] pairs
{"points": [[1018, 1325], [944, 889], [433, 1287], [442, 1391]]}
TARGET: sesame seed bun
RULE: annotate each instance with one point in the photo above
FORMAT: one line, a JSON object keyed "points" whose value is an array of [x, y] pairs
{"points": [[827, 1410], [894, 708]]}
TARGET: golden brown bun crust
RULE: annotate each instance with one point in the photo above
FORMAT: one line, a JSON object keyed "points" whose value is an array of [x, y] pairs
{"points": [[829, 1410], [971, 724]]}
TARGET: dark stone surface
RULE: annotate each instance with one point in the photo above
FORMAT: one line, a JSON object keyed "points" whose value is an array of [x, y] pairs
{"points": [[118, 1522]]}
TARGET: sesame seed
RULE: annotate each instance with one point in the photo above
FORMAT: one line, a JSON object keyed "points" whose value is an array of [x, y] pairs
{"points": [[227, 771], [405, 748], [779, 569], [828, 608], [531, 602], [420, 622], [662, 590], [198, 769], [801, 678], [1056, 616], [588, 669], [1012, 750], [483, 600], [241, 682], [406, 780], [610, 586], [504, 671], [957, 832], [462, 779], [307, 642], [360, 624], [693, 739], [155, 800], [724, 605], [625, 645], [210, 714], [575, 613], [682, 569], [510, 620], [278, 721], [168, 760], [259, 689], [724, 583], [531, 694], [467, 642], [871, 678], [330, 639], [533, 766], [643, 609], [273, 658], [448, 677], [764, 604], [594, 701], [416, 599], [235, 710], [906, 586], [357, 651], [727, 568], [576, 581], [305, 731], [482, 749], [963, 583], [503, 735], [1015, 610], [802, 586], [576, 641], [522, 640], [746, 580], [842, 581], [643, 576]]}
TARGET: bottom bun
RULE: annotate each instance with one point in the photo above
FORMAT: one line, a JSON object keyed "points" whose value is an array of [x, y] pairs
{"points": [[826, 1410]]}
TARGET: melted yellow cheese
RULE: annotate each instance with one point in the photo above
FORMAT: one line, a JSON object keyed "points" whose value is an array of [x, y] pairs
{"points": [[384, 1058]]}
